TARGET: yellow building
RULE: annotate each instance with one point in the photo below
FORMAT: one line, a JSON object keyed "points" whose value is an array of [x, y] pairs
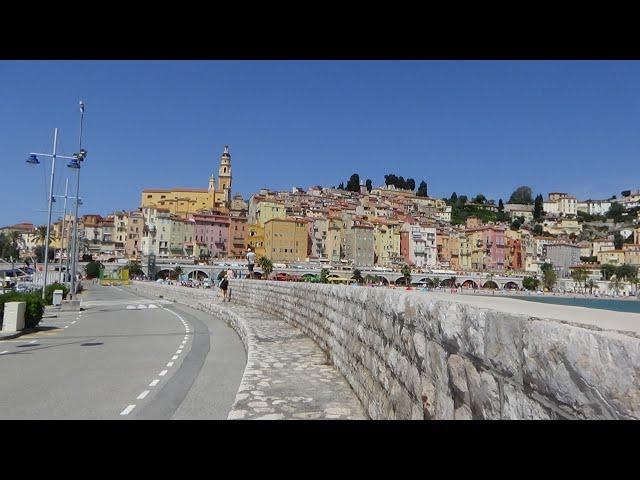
{"points": [[286, 239], [255, 239], [184, 201], [335, 232], [386, 243], [269, 210], [613, 257], [464, 255]]}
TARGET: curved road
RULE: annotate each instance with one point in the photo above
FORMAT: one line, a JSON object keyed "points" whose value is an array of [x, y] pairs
{"points": [[122, 357]]}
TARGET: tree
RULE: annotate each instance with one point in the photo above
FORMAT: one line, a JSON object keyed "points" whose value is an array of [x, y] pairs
{"points": [[406, 273], [607, 271], [369, 185], [401, 183], [530, 283], [357, 275], [522, 195], [549, 275], [480, 198], [353, 185], [341, 186], [615, 212], [39, 253], [134, 268], [626, 272], [435, 281], [515, 225], [618, 240], [411, 184], [462, 200], [92, 269], [591, 284], [537, 229], [454, 199], [538, 208], [266, 265], [324, 275], [500, 206], [615, 284], [42, 233], [579, 275], [422, 189]]}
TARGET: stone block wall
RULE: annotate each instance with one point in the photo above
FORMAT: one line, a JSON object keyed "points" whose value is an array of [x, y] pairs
{"points": [[409, 357]]}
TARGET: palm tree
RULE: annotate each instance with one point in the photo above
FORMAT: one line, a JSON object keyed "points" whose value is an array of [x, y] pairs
{"points": [[635, 281], [266, 265], [324, 275], [591, 284], [436, 282], [42, 233], [615, 283], [406, 273]]}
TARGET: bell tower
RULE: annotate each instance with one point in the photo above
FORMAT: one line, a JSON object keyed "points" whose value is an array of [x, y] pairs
{"points": [[224, 177]]}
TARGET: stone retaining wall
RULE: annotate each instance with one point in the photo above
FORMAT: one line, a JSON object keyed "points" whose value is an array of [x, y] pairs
{"points": [[409, 357]]}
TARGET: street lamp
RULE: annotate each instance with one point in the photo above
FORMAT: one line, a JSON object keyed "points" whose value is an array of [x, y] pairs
{"points": [[75, 164], [33, 160]]}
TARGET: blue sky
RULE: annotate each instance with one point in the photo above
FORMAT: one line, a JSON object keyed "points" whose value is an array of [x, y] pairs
{"points": [[470, 127]]}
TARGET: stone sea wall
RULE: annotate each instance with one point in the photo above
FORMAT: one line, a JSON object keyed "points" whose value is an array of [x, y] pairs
{"points": [[409, 357]]}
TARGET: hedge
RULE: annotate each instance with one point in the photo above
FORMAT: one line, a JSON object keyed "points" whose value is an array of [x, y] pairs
{"points": [[35, 306], [48, 292]]}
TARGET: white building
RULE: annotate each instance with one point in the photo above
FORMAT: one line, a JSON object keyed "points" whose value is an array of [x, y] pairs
{"points": [[423, 248], [594, 207], [560, 204]]}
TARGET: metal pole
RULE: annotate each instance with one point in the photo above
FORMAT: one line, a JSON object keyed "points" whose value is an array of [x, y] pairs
{"points": [[69, 252], [46, 245], [75, 223], [64, 217]]}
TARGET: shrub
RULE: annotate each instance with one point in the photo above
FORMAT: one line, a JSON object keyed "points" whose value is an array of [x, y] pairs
{"points": [[93, 269], [34, 310], [48, 292]]}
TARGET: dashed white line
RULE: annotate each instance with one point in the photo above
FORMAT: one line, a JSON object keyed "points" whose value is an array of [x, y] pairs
{"points": [[66, 326], [127, 410], [73, 322], [163, 373], [32, 341], [175, 357], [154, 383], [178, 352], [6, 351], [170, 364], [143, 394]]}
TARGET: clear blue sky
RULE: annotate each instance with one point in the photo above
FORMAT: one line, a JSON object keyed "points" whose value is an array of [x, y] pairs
{"points": [[470, 127]]}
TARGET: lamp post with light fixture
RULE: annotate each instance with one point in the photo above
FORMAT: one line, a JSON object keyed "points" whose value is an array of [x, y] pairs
{"points": [[33, 160], [76, 164]]}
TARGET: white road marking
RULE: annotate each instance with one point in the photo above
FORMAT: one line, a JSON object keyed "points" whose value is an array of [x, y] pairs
{"points": [[178, 352], [185, 337], [175, 357], [163, 373], [143, 394], [154, 383], [72, 323], [141, 307], [32, 341], [152, 306], [6, 351], [170, 364], [127, 410], [66, 326], [131, 307]]}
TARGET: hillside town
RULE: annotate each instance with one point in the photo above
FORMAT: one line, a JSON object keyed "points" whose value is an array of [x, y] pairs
{"points": [[359, 225]]}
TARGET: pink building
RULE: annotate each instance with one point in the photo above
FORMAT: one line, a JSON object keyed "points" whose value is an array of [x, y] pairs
{"points": [[213, 231], [489, 249]]}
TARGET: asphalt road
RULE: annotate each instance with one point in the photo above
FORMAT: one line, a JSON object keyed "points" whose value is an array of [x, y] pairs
{"points": [[123, 357]]}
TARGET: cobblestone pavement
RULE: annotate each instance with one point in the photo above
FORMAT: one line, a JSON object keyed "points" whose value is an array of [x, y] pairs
{"points": [[287, 375]]}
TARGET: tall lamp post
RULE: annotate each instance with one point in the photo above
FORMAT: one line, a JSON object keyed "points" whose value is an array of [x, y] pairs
{"points": [[33, 160], [76, 163]]}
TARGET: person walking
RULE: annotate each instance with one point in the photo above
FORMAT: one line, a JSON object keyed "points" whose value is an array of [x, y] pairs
{"points": [[251, 259], [227, 290]]}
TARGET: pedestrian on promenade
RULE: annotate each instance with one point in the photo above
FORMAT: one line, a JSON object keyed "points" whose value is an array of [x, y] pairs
{"points": [[227, 290], [224, 285], [251, 260]]}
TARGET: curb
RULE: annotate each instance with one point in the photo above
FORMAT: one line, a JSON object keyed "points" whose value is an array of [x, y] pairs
{"points": [[17, 334]]}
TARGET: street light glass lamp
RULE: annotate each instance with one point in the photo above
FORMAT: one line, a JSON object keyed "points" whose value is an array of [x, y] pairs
{"points": [[33, 160]]}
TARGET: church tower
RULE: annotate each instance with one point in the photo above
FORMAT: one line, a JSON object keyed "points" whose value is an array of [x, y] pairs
{"points": [[224, 177]]}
